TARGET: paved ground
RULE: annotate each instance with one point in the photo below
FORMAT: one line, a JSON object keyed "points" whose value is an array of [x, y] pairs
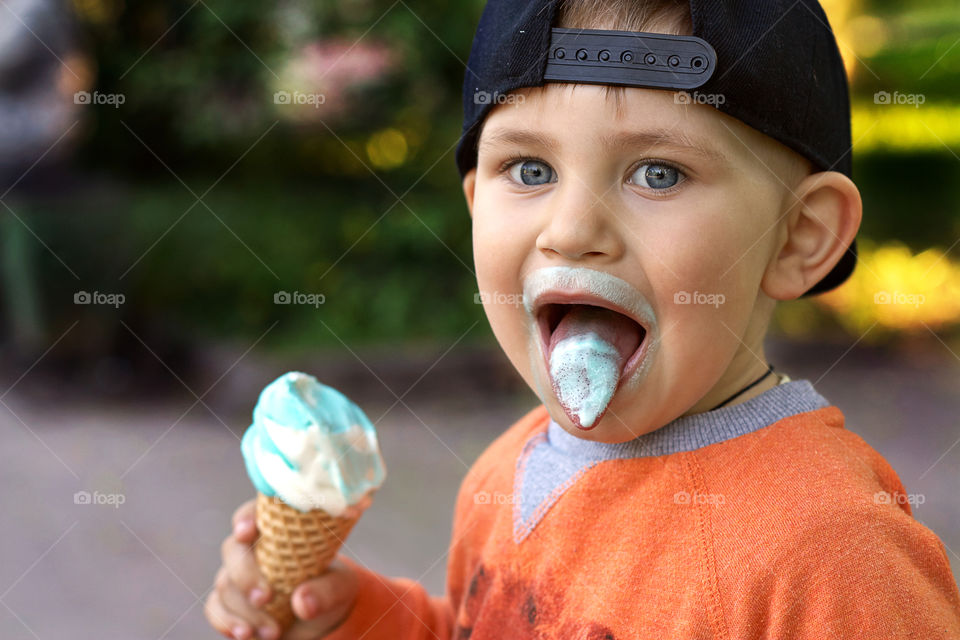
{"points": [[141, 569]]}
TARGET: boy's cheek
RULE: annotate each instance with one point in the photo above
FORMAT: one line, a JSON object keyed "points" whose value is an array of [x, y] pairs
{"points": [[496, 239], [510, 327], [502, 298], [712, 262]]}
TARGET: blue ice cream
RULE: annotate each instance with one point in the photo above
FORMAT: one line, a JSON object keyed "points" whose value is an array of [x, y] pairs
{"points": [[588, 351], [311, 446], [585, 370]]}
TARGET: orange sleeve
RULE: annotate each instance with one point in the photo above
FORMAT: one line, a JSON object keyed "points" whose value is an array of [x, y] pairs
{"points": [[401, 609], [394, 609], [873, 572]]}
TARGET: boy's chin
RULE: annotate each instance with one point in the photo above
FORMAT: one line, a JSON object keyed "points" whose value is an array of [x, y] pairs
{"points": [[610, 428]]}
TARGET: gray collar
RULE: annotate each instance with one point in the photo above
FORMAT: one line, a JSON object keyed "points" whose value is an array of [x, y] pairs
{"points": [[699, 430]]}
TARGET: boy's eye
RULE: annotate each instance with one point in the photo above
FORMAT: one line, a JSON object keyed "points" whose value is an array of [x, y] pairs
{"points": [[532, 172], [656, 176]]}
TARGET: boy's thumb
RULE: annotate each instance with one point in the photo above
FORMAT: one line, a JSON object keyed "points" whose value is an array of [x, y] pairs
{"points": [[244, 521], [336, 588]]}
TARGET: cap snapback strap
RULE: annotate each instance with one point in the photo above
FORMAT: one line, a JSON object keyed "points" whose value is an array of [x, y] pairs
{"points": [[630, 58]]}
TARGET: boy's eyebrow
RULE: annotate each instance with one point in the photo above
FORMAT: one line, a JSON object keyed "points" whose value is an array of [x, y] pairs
{"points": [[518, 137], [620, 140], [664, 138]]}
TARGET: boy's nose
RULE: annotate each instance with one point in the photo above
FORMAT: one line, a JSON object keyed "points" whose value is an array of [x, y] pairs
{"points": [[578, 225]]}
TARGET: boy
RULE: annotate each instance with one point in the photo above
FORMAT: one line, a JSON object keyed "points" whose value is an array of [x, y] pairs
{"points": [[671, 485]]}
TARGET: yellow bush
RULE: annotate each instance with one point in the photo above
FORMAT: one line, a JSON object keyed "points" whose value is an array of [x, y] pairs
{"points": [[897, 290]]}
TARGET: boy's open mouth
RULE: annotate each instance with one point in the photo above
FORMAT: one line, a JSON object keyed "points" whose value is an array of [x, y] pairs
{"points": [[619, 329], [589, 346]]}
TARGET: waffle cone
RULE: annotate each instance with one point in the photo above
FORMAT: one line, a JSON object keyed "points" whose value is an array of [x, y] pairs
{"points": [[295, 546]]}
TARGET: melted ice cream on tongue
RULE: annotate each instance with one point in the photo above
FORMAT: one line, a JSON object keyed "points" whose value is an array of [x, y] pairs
{"points": [[587, 353]]}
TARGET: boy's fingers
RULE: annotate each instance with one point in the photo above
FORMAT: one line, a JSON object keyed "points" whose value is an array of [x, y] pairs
{"points": [[335, 589], [242, 570], [244, 521], [223, 621], [319, 627], [263, 625]]}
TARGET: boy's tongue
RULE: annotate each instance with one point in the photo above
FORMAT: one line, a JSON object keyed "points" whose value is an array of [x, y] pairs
{"points": [[586, 357]]}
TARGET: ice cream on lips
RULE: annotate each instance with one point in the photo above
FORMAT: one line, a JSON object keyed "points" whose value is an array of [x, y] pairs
{"points": [[591, 329], [311, 446]]}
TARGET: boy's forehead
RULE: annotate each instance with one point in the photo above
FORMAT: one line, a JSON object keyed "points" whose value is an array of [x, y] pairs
{"points": [[549, 116]]}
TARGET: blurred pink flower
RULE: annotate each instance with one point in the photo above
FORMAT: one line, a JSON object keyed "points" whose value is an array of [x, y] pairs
{"points": [[332, 68]]}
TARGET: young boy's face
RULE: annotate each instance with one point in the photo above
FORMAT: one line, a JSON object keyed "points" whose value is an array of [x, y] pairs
{"points": [[679, 201]]}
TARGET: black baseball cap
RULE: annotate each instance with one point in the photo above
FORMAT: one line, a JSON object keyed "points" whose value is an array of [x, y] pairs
{"points": [[775, 62]]}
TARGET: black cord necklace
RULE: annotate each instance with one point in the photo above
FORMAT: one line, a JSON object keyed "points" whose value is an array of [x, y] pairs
{"points": [[746, 388]]}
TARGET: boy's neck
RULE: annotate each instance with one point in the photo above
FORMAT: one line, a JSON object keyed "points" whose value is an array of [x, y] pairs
{"points": [[766, 384]]}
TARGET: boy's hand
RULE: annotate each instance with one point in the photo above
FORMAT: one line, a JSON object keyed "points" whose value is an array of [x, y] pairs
{"points": [[240, 589]]}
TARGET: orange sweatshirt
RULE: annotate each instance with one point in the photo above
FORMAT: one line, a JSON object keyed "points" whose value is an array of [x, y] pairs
{"points": [[766, 519]]}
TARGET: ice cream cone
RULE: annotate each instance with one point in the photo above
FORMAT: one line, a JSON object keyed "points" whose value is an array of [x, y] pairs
{"points": [[313, 456], [295, 546]]}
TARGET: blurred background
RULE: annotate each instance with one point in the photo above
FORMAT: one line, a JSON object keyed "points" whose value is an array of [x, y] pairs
{"points": [[196, 196]]}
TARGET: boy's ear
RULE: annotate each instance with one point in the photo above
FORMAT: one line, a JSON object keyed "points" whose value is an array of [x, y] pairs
{"points": [[469, 185], [816, 231]]}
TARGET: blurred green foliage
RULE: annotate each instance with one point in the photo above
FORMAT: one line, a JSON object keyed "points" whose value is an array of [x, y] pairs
{"points": [[298, 210], [199, 78], [917, 52], [214, 274]]}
